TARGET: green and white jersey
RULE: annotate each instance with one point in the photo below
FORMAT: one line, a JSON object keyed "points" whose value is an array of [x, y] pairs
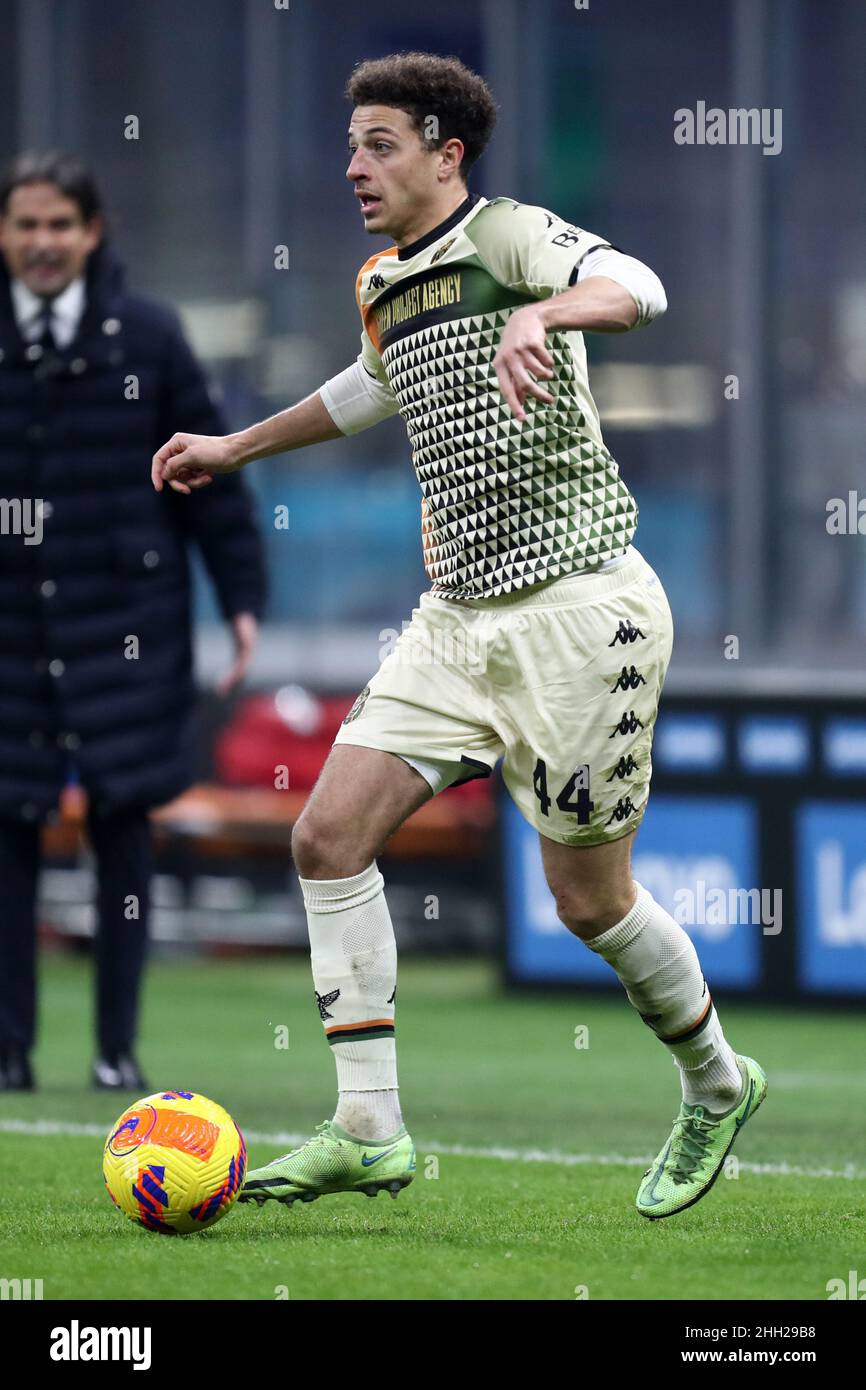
{"points": [[504, 504]]}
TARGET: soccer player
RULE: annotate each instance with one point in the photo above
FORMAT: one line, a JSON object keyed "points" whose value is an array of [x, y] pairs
{"points": [[543, 640]]}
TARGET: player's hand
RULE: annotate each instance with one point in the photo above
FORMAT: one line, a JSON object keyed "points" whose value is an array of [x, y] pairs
{"points": [[522, 356], [190, 461], [245, 631]]}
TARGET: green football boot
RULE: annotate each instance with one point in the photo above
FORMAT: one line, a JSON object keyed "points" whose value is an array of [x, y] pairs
{"points": [[333, 1161], [692, 1158]]}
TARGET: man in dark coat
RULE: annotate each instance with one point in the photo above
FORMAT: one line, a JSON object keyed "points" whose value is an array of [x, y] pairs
{"points": [[96, 678]]}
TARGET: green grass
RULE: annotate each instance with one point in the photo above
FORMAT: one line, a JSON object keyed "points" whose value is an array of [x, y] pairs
{"points": [[478, 1071]]}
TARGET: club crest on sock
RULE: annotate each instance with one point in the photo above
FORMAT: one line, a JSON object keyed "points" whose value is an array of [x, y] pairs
{"points": [[324, 1001]]}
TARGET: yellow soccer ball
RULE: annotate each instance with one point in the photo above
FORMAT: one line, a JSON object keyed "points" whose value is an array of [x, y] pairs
{"points": [[174, 1162]]}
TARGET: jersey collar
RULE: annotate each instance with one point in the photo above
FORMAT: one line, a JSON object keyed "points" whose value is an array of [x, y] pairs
{"points": [[406, 252]]}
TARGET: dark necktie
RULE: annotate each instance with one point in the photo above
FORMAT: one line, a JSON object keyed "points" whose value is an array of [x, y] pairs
{"points": [[46, 338]]}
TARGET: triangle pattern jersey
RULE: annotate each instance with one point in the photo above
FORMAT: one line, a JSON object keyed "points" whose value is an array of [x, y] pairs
{"points": [[505, 504]]}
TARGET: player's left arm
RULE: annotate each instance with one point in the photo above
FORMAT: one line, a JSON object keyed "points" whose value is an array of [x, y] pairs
{"points": [[617, 293], [598, 304], [580, 283]]}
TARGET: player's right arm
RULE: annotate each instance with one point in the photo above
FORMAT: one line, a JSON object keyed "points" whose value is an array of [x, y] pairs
{"points": [[190, 461], [353, 400]]}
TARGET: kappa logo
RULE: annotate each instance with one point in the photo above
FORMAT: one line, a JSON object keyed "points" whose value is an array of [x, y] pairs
{"points": [[393, 996], [359, 705], [627, 680], [324, 1001], [377, 281], [625, 633], [628, 724], [622, 810], [624, 767]]}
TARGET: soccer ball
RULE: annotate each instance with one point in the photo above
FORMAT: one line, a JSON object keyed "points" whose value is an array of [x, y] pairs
{"points": [[174, 1162]]}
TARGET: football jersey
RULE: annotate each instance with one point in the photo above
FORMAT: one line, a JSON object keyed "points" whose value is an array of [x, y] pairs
{"points": [[505, 504]]}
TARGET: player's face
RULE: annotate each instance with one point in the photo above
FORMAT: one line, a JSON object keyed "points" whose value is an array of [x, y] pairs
{"points": [[393, 172], [44, 239]]}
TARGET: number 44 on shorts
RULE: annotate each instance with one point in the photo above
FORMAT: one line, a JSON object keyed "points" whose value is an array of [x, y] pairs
{"points": [[574, 796]]}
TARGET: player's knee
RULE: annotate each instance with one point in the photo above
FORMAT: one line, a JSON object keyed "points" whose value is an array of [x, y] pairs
{"points": [[320, 850], [588, 911], [313, 850]]}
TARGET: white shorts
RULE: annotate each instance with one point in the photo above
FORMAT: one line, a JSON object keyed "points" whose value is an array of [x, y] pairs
{"points": [[561, 681]]}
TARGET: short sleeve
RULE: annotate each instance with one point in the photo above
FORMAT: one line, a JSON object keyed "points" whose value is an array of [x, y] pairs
{"points": [[530, 249]]}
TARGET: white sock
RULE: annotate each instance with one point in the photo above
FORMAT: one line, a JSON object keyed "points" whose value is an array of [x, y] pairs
{"points": [[354, 959], [708, 1070], [370, 1115], [658, 965]]}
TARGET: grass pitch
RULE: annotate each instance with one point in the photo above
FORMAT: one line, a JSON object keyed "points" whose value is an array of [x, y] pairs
{"points": [[529, 1150]]}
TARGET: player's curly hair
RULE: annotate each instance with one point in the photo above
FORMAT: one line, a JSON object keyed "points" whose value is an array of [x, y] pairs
{"points": [[423, 85]]}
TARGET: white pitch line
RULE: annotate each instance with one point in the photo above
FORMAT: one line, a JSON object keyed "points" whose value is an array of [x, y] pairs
{"points": [[40, 1129]]}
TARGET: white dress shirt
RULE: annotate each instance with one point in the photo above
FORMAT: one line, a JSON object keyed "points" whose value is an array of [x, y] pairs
{"points": [[66, 311]]}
